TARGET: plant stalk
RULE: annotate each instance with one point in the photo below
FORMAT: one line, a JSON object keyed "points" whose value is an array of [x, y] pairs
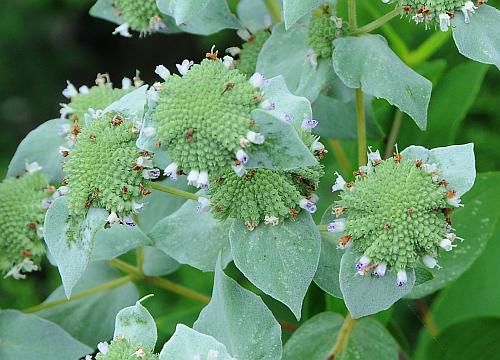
{"points": [[393, 136], [361, 125], [344, 332], [341, 156], [353, 20], [274, 9], [173, 191], [178, 289], [377, 23]]}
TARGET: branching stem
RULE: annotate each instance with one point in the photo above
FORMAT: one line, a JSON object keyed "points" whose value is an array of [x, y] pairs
{"points": [[375, 24], [353, 20], [391, 141], [173, 191]]}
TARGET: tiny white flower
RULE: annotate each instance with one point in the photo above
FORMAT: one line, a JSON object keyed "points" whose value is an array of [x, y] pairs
{"points": [[312, 57], [446, 245], [162, 72], [233, 51], [88, 357], [64, 129], [374, 156], [122, 30], [84, 89], [15, 272], [314, 198], [140, 353], [287, 117], [103, 347], [267, 105], [152, 95], [380, 270], [171, 171], [339, 183], [255, 138], [202, 181], [126, 83], [228, 62], [308, 205], [258, 80], [308, 124], [444, 22], [268, 21], [156, 24], [271, 220], [113, 218], [184, 67], [244, 34], [153, 173], [192, 178], [336, 226], [238, 169], [242, 156], [452, 237], [468, 8], [317, 146], [362, 262], [203, 204], [418, 18], [402, 279], [137, 207], [46, 203], [144, 162], [94, 114], [453, 198], [40, 232], [61, 191], [32, 167], [430, 262], [65, 110], [70, 91]]}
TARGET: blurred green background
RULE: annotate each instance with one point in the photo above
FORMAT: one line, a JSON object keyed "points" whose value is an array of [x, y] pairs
{"points": [[43, 43]]}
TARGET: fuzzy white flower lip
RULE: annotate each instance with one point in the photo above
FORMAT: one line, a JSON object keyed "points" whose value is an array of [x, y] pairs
{"points": [[228, 62], [271, 220], [171, 171], [238, 169], [122, 30], [362, 262], [468, 8], [233, 51], [308, 205], [242, 156], [126, 83], [244, 34], [184, 67], [340, 183], [336, 226], [202, 181], [203, 204], [308, 124], [444, 22], [103, 347], [70, 91], [192, 178], [32, 167], [162, 72], [258, 80], [380, 270], [401, 278]]}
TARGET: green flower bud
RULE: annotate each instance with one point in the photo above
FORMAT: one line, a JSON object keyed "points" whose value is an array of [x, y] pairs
{"points": [[121, 349], [323, 29], [437, 12], [141, 16], [105, 169], [203, 118], [22, 210], [264, 195], [395, 212], [97, 97], [250, 51]]}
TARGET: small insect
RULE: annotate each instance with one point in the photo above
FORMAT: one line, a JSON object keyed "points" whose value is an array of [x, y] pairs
{"points": [[419, 163], [65, 153], [344, 240], [92, 137], [407, 9], [190, 134], [228, 87], [443, 183], [26, 253], [117, 120], [31, 225], [294, 213]]}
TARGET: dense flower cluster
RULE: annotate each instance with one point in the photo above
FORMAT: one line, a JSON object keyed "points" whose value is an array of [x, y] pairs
{"points": [[22, 210], [248, 54], [121, 349], [323, 29], [395, 212], [142, 16]]}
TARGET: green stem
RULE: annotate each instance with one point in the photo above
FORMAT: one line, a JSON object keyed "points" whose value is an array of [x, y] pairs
{"points": [[351, 10], [361, 124], [125, 267], [322, 228], [178, 289], [393, 136], [341, 156], [173, 191], [428, 48], [274, 9], [138, 252], [344, 332], [377, 23], [105, 286]]}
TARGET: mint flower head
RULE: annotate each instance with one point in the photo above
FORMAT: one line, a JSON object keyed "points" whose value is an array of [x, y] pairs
{"points": [[323, 29], [141, 16], [437, 13], [203, 118], [121, 349], [396, 212], [96, 97], [25, 200], [105, 169], [248, 54]]}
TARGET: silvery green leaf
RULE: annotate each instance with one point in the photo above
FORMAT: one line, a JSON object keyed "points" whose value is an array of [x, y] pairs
{"points": [[327, 274], [252, 14], [188, 344], [41, 145], [192, 237], [183, 10], [366, 295], [456, 163], [214, 17], [157, 263], [368, 62], [296, 9], [479, 40], [282, 149], [281, 260], [286, 53], [116, 240], [96, 311], [315, 338], [240, 320], [131, 105], [136, 324], [71, 256], [28, 337]]}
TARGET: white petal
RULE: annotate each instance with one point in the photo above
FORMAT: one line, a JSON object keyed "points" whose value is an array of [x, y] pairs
{"points": [[122, 30]]}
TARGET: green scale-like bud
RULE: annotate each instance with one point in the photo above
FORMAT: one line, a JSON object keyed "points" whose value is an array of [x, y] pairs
{"points": [[22, 210], [323, 29], [264, 195], [203, 118], [141, 16], [97, 97], [437, 12], [122, 349], [394, 213], [250, 51], [105, 169]]}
